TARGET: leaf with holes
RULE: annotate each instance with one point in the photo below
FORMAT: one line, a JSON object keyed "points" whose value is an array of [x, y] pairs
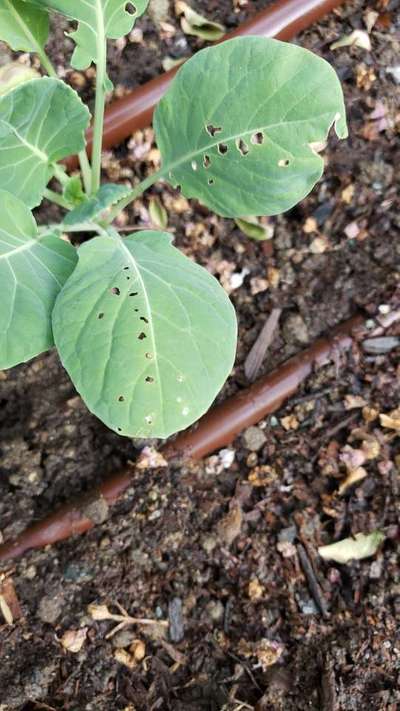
{"points": [[24, 27], [92, 209], [33, 269], [147, 336], [239, 126], [98, 20], [41, 122]]}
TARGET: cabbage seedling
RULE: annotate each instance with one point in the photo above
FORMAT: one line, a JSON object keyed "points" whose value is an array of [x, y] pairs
{"points": [[147, 336]]}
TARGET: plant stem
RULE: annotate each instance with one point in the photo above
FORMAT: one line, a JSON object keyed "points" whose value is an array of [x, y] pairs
{"points": [[138, 190], [86, 171], [99, 111], [47, 65], [56, 198]]}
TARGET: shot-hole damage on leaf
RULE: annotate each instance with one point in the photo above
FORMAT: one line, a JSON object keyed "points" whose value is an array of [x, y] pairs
{"points": [[121, 398], [284, 163], [213, 130], [222, 148], [134, 293], [242, 146], [211, 181], [268, 99], [257, 138], [187, 344], [115, 291], [101, 315]]}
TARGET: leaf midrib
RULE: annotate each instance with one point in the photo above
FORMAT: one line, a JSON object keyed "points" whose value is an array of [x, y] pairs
{"points": [[151, 328], [24, 26], [24, 247]]}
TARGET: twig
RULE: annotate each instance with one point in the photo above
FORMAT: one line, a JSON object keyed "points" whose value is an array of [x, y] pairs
{"points": [[313, 583], [258, 352]]}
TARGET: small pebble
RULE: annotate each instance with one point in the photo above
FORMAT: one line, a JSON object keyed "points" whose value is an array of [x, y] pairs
{"points": [[254, 438]]}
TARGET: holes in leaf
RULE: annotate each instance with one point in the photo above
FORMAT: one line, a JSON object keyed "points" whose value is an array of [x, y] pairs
{"points": [[119, 429], [149, 356], [121, 398], [148, 420], [284, 163], [126, 268], [242, 147], [115, 291], [128, 277], [206, 161], [133, 293], [213, 130], [149, 379], [101, 315], [222, 149], [211, 181], [131, 8], [142, 336], [257, 138], [136, 310], [143, 318]]}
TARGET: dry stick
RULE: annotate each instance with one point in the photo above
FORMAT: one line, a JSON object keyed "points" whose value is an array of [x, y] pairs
{"points": [[216, 429], [258, 352], [283, 20]]}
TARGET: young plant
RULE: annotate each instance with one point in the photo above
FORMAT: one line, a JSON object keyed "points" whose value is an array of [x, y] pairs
{"points": [[147, 336]]}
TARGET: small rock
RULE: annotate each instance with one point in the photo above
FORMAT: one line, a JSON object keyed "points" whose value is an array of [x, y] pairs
{"points": [[123, 639], [208, 543], [176, 628], [287, 535], [295, 329], [50, 608], [215, 610], [254, 438]]}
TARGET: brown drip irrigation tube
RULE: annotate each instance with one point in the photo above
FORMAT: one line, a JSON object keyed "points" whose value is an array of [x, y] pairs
{"points": [[282, 20], [216, 429]]}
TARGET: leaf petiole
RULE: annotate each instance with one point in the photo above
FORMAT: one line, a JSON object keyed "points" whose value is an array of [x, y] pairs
{"points": [[136, 192], [56, 198]]}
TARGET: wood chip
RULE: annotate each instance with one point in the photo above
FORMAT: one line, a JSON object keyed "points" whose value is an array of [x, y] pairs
{"points": [[257, 354]]}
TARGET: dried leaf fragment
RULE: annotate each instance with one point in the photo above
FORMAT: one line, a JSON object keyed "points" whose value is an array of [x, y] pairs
{"points": [[73, 640], [193, 23], [230, 526], [361, 546], [391, 421], [358, 38], [354, 476]]}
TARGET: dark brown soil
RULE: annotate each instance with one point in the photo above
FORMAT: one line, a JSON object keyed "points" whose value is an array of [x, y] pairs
{"points": [[229, 556]]}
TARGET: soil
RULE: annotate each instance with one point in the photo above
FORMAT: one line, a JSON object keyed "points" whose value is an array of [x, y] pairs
{"points": [[226, 549]]}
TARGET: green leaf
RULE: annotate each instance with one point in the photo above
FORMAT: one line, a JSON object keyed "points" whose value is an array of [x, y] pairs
{"points": [[147, 336], [41, 122], [107, 195], [98, 20], [73, 191], [251, 227], [24, 27], [33, 269], [238, 125]]}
